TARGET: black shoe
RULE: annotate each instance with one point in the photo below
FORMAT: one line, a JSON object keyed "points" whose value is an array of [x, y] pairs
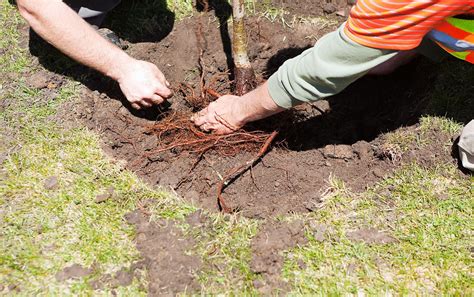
{"points": [[112, 37]]}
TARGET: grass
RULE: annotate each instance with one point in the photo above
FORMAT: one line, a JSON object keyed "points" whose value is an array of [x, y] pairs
{"points": [[12, 56], [44, 229], [429, 212], [225, 251], [452, 93]]}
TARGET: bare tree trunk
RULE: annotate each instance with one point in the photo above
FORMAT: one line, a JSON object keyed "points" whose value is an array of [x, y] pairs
{"points": [[245, 80]]}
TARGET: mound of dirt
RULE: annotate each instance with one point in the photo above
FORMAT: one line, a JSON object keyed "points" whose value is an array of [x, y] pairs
{"points": [[341, 137], [163, 248], [272, 239]]}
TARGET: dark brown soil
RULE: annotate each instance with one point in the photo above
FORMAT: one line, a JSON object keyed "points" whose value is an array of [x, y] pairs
{"points": [[163, 248], [338, 138], [267, 249]]}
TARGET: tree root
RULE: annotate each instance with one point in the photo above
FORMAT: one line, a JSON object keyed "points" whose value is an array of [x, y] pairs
{"points": [[236, 172]]}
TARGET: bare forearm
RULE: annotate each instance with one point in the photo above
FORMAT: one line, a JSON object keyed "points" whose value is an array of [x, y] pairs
{"points": [[64, 29], [258, 104]]}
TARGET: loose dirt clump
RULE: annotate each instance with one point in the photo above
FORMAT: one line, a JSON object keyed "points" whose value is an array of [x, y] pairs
{"points": [[267, 249], [339, 138], [72, 272], [370, 236], [122, 278], [163, 248]]}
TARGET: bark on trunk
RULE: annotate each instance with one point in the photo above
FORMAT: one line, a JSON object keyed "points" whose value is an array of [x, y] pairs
{"points": [[245, 80]]}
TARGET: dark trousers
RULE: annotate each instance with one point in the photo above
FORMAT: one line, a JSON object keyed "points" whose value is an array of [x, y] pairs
{"points": [[93, 11]]}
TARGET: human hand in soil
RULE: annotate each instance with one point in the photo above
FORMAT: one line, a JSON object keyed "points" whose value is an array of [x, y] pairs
{"points": [[143, 84], [222, 116], [229, 113]]}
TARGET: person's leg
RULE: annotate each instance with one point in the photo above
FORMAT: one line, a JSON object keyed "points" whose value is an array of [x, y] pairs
{"points": [[93, 11], [466, 146]]}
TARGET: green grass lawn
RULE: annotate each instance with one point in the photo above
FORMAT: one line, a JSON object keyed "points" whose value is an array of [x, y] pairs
{"points": [[50, 177]]}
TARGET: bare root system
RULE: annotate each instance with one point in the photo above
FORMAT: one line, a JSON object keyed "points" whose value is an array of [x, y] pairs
{"points": [[177, 132]]}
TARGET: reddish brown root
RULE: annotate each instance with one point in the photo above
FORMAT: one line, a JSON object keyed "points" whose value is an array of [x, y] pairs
{"points": [[177, 131], [236, 172]]}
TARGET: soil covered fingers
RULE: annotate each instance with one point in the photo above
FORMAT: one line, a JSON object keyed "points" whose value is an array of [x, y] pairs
{"points": [[155, 99], [136, 106], [221, 116]]}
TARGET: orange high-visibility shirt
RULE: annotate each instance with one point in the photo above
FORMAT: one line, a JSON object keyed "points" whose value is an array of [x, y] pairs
{"points": [[400, 24]]}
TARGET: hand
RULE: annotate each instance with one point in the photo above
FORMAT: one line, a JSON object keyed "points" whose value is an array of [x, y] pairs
{"points": [[230, 113], [143, 84], [223, 116]]}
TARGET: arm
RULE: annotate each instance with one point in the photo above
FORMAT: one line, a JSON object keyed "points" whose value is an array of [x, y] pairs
{"points": [[229, 113], [141, 82], [324, 70]]}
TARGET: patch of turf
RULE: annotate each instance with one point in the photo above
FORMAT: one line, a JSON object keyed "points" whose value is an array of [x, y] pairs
{"points": [[224, 247], [443, 124], [13, 57], [429, 213]]}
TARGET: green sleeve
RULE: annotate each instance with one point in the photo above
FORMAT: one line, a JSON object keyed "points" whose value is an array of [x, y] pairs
{"points": [[323, 70]]}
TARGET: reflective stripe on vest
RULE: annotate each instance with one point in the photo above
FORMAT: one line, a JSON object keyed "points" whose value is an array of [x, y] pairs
{"points": [[456, 36]]}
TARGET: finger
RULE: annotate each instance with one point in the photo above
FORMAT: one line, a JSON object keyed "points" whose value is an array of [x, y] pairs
{"points": [[145, 103], [214, 128], [136, 106], [163, 91], [156, 99], [204, 127], [207, 127], [222, 130], [199, 118]]}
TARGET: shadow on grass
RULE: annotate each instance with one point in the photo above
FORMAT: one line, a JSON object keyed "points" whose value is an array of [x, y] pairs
{"points": [[141, 20]]}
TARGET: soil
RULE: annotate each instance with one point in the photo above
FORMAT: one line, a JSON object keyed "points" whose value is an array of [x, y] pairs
{"points": [[267, 249], [341, 137], [370, 236], [73, 271], [163, 247]]}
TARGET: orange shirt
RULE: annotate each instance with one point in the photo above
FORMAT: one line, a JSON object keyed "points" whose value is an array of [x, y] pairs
{"points": [[400, 24]]}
